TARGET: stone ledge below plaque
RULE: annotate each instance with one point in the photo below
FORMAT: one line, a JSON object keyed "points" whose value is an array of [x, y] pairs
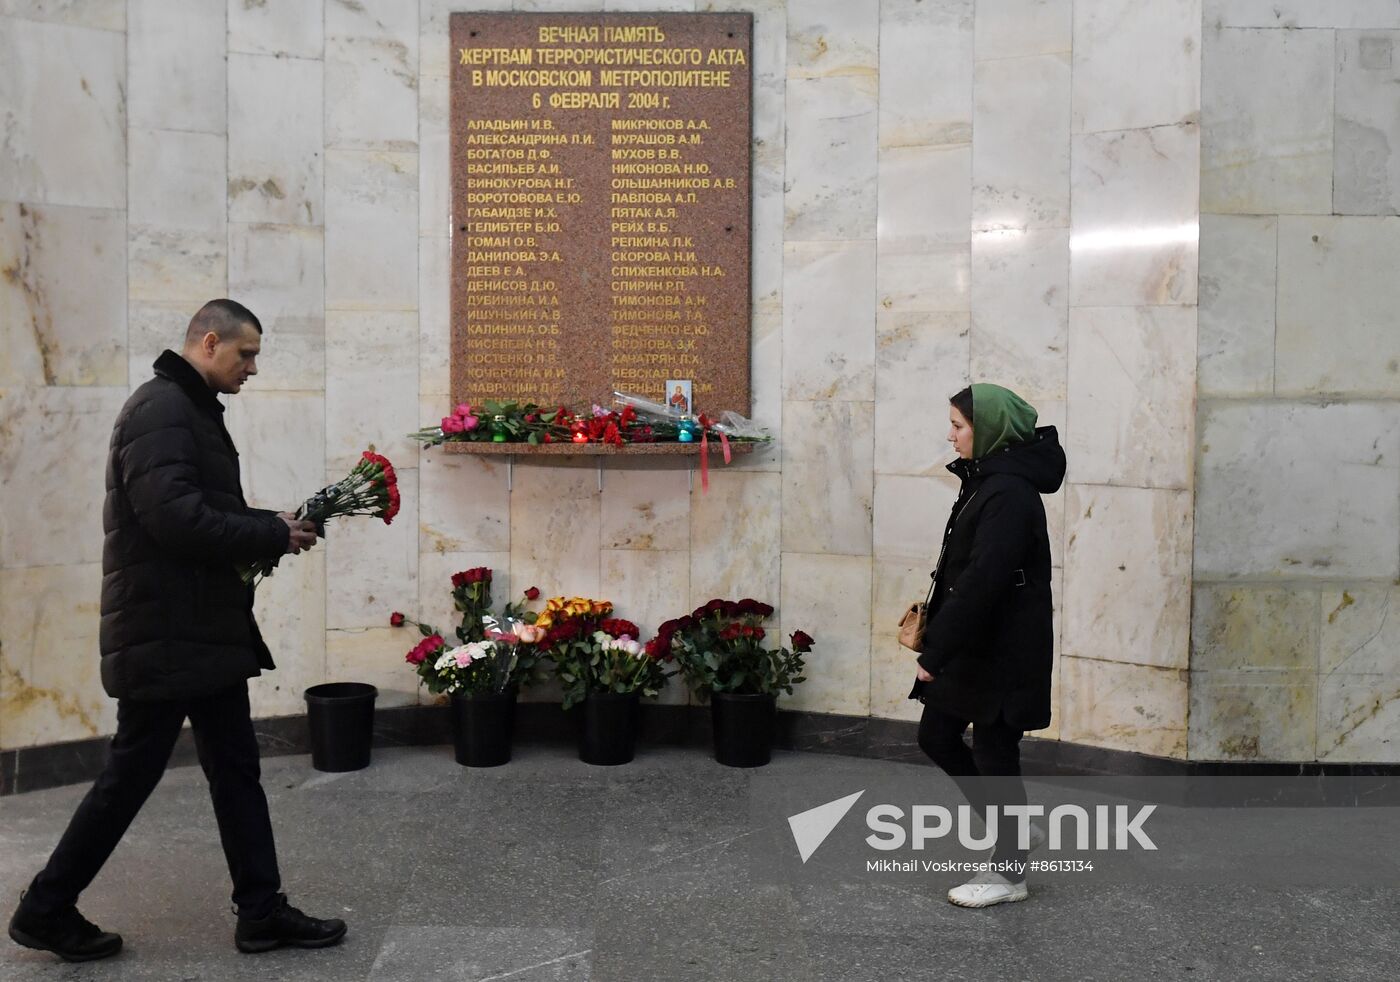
{"points": [[593, 449]]}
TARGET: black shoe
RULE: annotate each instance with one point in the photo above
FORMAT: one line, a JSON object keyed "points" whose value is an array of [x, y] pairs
{"points": [[68, 934], [286, 926]]}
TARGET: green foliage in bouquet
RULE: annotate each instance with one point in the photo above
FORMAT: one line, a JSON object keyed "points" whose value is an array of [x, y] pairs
{"points": [[719, 647], [593, 652]]}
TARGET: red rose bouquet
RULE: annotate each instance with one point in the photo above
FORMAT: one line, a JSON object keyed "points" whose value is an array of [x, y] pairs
{"points": [[371, 488], [720, 647]]}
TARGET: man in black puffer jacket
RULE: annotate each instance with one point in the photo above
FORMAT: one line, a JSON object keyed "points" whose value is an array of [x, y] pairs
{"points": [[179, 641]]}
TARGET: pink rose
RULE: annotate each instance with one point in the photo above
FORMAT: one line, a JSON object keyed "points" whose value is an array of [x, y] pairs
{"points": [[464, 409], [469, 423], [451, 424]]}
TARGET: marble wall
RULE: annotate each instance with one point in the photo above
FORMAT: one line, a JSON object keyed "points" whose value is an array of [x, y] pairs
{"points": [[943, 190], [1298, 510]]}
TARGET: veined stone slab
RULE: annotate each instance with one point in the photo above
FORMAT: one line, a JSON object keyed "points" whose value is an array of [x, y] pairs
{"points": [[371, 75], [1253, 716], [278, 272], [728, 563], [1021, 28], [1020, 312], [1136, 64], [1266, 149], [829, 321], [1241, 627], [372, 569], [1366, 147], [176, 55], [838, 667], [371, 387], [1289, 490], [1239, 266], [828, 477], [1123, 707], [925, 67], [1337, 297], [830, 181], [1021, 143], [276, 171]]}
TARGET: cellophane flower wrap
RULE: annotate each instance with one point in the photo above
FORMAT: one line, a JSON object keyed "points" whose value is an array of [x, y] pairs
{"points": [[371, 488], [491, 654], [722, 646], [593, 651]]}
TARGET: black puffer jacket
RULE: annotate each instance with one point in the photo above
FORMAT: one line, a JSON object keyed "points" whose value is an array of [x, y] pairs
{"points": [[990, 635], [177, 622]]}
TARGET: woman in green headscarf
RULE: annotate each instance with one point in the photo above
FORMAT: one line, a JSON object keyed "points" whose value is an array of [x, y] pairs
{"points": [[989, 637]]}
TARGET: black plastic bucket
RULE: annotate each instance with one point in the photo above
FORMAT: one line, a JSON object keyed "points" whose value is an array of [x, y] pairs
{"points": [[608, 730], [481, 728], [341, 718], [743, 728]]}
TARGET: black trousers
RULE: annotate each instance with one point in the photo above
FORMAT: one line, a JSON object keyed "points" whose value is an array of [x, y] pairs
{"points": [[988, 773], [146, 734]]}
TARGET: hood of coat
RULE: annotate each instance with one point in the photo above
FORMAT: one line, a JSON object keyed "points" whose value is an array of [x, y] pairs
{"points": [[1039, 460]]}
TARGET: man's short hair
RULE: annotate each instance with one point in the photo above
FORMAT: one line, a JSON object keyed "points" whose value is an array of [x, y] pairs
{"points": [[224, 317]]}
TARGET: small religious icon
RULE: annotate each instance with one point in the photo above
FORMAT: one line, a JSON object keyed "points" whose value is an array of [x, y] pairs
{"points": [[678, 397]]}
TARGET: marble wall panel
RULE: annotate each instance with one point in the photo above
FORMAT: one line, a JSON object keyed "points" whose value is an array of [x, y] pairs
{"points": [[1337, 296], [62, 296], [829, 320], [910, 513], [735, 531], [374, 655], [371, 230], [372, 568], [766, 372], [1136, 64], [1021, 28], [938, 279], [646, 506], [1239, 270], [1020, 311], [371, 385], [1123, 707], [291, 612], [1135, 217], [838, 667], [278, 272], [285, 28], [923, 197], [1266, 149], [555, 528], [1239, 627], [50, 671], [892, 674], [1021, 143], [648, 588], [1269, 500], [177, 234], [828, 476], [649, 6], [53, 459], [1253, 716], [1360, 632], [281, 441], [103, 15], [925, 71], [917, 354], [897, 584], [371, 75], [434, 325], [556, 6], [1301, 13], [275, 164], [434, 159], [1358, 718], [1127, 593], [832, 39], [64, 115], [1132, 374], [830, 175], [151, 329], [186, 42], [465, 504], [1366, 144]]}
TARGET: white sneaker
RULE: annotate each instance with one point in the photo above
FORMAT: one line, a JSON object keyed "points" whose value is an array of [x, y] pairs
{"points": [[986, 890]]}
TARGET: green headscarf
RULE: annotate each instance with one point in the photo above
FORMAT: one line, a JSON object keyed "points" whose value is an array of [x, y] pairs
{"points": [[999, 417]]}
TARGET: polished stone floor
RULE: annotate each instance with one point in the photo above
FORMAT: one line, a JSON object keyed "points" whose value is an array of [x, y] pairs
{"points": [[671, 868]]}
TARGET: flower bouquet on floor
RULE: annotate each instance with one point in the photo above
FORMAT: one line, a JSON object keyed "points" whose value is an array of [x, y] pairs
{"points": [[604, 669], [484, 672], [722, 651], [371, 488]]}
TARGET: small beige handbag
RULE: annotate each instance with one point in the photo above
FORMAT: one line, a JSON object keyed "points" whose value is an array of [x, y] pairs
{"points": [[912, 624]]}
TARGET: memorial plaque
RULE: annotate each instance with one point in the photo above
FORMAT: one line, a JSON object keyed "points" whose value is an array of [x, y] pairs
{"points": [[600, 208]]}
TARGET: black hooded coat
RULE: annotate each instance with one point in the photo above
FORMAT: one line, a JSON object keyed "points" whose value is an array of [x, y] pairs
{"points": [[989, 640], [177, 622]]}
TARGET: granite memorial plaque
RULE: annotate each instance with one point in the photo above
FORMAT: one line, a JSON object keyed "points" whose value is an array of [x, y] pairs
{"points": [[600, 208]]}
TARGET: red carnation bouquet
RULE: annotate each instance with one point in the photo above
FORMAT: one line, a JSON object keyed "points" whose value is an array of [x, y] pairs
{"points": [[371, 488]]}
